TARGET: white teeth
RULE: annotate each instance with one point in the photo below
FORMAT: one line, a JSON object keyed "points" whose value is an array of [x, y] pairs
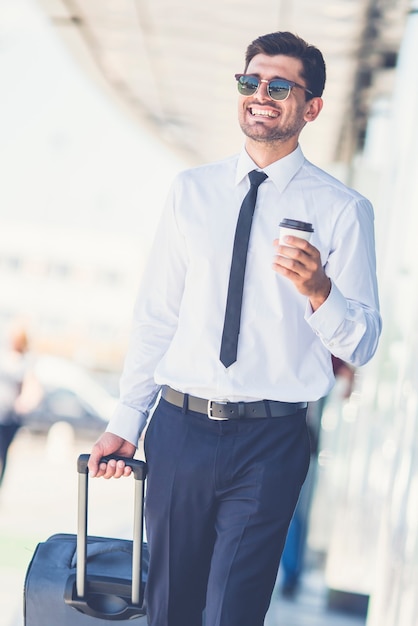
{"points": [[265, 112]]}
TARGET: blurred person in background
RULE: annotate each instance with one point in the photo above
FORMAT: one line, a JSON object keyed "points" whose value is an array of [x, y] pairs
{"points": [[227, 446], [293, 557], [15, 397]]}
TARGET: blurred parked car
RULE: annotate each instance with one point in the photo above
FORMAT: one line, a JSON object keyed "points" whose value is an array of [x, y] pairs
{"points": [[71, 395]]}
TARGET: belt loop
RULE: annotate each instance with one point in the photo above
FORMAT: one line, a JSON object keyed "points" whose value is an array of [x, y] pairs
{"points": [[267, 407], [241, 409], [185, 407]]}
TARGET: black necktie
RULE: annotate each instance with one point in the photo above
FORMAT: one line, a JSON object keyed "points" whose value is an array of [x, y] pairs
{"points": [[230, 333]]}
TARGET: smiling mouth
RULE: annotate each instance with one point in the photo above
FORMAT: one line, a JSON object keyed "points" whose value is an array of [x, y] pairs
{"points": [[263, 112]]}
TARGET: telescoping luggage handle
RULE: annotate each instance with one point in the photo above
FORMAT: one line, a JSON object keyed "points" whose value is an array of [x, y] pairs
{"points": [[120, 608]]}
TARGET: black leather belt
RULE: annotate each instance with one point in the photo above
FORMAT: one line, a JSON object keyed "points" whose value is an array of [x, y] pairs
{"points": [[231, 410]]}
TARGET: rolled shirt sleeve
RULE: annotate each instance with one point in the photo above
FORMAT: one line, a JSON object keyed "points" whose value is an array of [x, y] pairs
{"points": [[347, 329]]}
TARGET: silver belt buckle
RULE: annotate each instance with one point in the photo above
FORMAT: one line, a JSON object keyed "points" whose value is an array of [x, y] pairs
{"points": [[210, 414]]}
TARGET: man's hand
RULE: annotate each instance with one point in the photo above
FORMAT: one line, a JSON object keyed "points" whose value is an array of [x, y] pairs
{"points": [[300, 262], [110, 444]]}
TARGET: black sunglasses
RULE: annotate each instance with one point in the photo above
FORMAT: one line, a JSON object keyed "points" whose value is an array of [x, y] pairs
{"points": [[277, 88]]}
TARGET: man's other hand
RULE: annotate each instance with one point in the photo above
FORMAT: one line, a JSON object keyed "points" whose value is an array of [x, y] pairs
{"points": [[107, 445]]}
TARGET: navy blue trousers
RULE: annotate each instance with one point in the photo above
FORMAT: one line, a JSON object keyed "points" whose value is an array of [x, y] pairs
{"points": [[220, 497]]}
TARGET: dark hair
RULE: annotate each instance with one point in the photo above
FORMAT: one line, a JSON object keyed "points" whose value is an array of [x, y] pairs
{"points": [[291, 45]]}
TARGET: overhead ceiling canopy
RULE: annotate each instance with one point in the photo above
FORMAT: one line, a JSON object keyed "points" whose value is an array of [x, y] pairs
{"points": [[172, 62]]}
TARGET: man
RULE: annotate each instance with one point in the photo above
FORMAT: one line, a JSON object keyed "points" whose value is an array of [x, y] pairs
{"points": [[14, 367], [227, 446]]}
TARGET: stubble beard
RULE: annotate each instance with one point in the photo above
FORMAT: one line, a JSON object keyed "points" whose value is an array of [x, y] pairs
{"points": [[259, 132], [285, 131]]}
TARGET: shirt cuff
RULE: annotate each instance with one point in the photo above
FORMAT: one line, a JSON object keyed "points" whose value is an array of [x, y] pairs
{"points": [[326, 320], [127, 423]]}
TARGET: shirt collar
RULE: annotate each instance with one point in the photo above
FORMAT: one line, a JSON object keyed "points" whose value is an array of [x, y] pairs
{"points": [[280, 172]]}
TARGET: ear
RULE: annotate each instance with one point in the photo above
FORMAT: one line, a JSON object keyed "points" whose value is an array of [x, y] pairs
{"points": [[313, 109]]}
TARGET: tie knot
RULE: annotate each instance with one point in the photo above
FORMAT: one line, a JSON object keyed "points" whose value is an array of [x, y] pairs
{"points": [[256, 178]]}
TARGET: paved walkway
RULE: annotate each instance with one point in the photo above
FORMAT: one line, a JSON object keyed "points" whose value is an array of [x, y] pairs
{"points": [[309, 607], [39, 498]]}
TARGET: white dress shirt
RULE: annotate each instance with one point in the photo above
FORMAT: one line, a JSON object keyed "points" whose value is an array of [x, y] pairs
{"points": [[284, 347]]}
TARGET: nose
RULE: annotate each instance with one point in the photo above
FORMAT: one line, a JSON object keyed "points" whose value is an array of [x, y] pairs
{"points": [[262, 91]]}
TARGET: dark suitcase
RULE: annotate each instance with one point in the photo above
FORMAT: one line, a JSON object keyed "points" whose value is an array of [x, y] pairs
{"points": [[77, 580]]}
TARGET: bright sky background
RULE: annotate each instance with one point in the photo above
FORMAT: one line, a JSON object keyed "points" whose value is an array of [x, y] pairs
{"points": [[82, 184], [68, 155]]}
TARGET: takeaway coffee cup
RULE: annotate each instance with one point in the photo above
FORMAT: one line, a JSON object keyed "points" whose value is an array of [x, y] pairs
{"points": [[295, 228]]}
